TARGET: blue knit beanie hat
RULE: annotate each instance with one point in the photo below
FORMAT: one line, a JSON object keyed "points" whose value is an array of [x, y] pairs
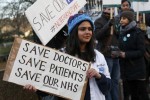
{"points": [[76, 19]]}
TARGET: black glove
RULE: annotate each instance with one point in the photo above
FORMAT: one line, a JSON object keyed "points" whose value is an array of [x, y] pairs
{"points": [[111, 22]]}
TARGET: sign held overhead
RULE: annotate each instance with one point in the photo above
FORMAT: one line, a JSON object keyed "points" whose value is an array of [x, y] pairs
{"points": [[47, 17]]}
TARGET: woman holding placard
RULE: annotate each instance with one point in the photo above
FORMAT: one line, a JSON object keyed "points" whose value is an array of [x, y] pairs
{"points": [[80, 44]]}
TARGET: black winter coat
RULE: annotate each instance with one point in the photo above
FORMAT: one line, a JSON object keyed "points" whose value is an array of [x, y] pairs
{"points": [[133, 65], [102, 34]]}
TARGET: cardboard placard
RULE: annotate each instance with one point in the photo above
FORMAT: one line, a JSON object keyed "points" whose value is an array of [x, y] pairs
{"points": [[47, 69]]}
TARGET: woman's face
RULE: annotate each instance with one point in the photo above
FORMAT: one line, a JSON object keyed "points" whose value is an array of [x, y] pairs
{"points": [[125, 6], [85, 32], [124, 21]]}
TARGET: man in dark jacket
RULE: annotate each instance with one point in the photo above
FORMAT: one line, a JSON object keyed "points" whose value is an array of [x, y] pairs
{"points": [[108, 45]]}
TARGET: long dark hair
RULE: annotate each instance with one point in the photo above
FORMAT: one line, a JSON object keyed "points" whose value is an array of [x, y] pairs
{"points": [[73, 46]]}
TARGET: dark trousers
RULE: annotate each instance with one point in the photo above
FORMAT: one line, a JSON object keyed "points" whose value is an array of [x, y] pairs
{"points": [[137, 89]]}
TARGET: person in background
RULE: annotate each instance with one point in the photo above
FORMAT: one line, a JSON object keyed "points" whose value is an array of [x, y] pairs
{"points": [[147, 57], [125, 6], [108, 45], [141, 24], [80, 44], [147, 17], [132, 64], [146, 30]]}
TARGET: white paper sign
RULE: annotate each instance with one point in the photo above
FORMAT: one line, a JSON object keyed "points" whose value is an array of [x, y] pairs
{"points": [[141, 6], [47, 17], [111, 3], [49, 70]]}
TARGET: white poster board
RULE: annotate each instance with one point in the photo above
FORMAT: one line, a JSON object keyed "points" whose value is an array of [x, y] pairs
{"points": [[111, 3], [141, 6], [46, 69], [47, 17]]}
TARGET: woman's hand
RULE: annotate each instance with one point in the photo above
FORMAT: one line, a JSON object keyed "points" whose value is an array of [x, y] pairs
{"points": [[93, 73], [30, 88]]}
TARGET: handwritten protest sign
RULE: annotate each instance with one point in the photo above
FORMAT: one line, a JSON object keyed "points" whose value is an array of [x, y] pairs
{"points": [[141, 6], [46, 69], [111, 3], [47, 17]]}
